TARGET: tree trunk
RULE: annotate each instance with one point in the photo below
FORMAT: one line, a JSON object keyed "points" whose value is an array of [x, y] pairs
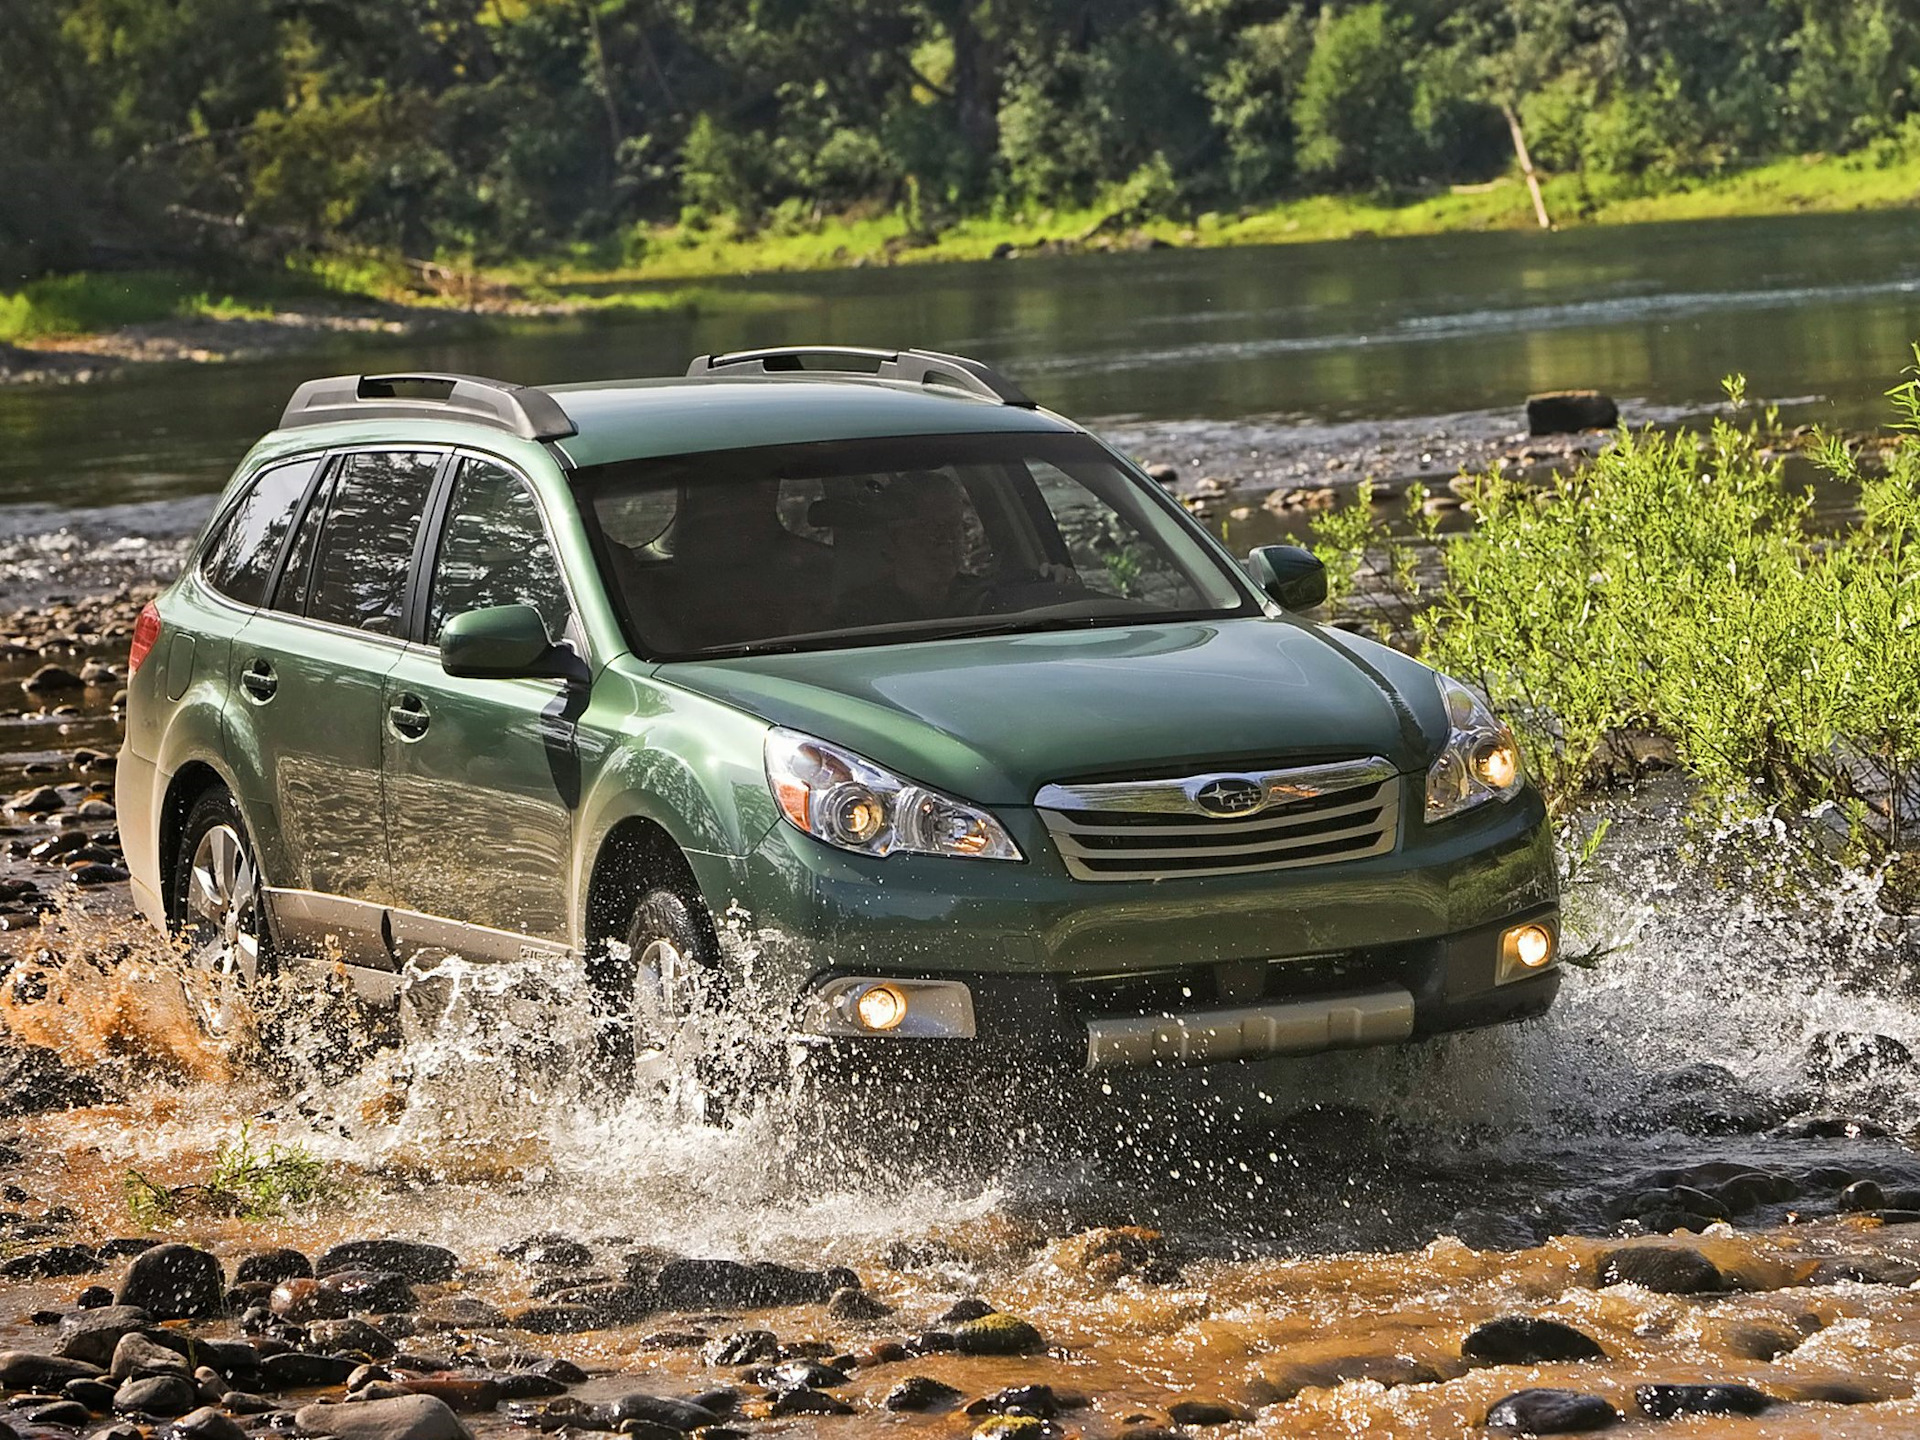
{"points": [[1526, 166]]}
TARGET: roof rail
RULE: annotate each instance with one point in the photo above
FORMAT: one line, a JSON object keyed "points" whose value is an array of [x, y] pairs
{"points": [[529, 413], [916, 367]]}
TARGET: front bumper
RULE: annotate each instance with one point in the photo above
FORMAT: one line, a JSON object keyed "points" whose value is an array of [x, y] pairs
{"points": [[1372, 951]]}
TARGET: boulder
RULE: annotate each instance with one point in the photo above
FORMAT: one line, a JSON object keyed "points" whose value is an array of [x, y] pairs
{"points": [[1563, 412], [411, 1259], [174, 1282], [1664, 1269], [1528, 1340], [410, 1417], [1551, 1412]]}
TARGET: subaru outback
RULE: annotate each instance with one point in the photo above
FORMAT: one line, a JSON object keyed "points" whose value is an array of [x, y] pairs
{"points": [[985, 745]]}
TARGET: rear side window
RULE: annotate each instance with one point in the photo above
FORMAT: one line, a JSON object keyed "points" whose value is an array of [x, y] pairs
{"points": [[365, 548], [495, 551], [240, 558]]}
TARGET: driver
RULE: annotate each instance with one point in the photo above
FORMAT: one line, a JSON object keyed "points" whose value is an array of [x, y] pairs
{"points": [[901, 551]]}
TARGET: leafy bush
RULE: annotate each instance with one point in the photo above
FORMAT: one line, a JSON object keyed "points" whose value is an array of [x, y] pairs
{"points": [[1354, 114], [247, 1180], [1678, 585]]}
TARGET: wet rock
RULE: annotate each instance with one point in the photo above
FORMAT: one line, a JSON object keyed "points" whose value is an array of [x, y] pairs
{"points": [[1162, 473], [410, 1417], [42, 801], [551, 1319], [466, 1394], [411, 1259], [526, 1385], [1831, 1127], [164, 1395], [1862, 1195], [96, 1395], [1528, 1340], [212, 1383], [616, 1304], [1863, 1270], [349, 1335], [550, 1285], [273, 1266], [1744, 1193], [1664, 1402], [680, 1415], [379, 1292], [743, 1347], [49, 679], [731, 1284], [1565, 412], [970, 1307], [1551, 1412], [1482, 1229], [1013, 1427], [1105, 1255], [1704, 1099], [563, 1372], [1759, 1339], [798, 1375], [807, 1402], [69, 1413], [174, 1282], [462, 1312], [1278, 1383], [35, 1080], [1039, 1401], [119, 1430], [1204, 1412], [1664, 1269], [94, 1297], [207, 1423], [296, 1371], [137, 1357], [996, 1334], [51, 1261], [549, 1248], [24, 1370], [920, 1393], [1851, 1057], [302, 1301], [856, 1307], [1835, 1392]]}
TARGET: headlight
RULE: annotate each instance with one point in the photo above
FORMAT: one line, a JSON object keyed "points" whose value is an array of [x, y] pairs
{"points": [[1481, 761], [836, 796]]}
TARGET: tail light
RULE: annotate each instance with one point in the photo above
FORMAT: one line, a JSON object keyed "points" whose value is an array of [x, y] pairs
{"points": [[146, 633]]}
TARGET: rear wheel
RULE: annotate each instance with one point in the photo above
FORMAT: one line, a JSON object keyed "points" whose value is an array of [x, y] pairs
{"points": [[216, 901]]}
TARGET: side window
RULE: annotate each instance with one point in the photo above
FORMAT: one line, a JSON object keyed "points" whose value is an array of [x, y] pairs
{"points": [[495, 551], [295, 577], [240, 558], [366, 546]]}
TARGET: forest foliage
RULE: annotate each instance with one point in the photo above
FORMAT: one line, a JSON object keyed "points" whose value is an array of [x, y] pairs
{"points": [[155, 131]]}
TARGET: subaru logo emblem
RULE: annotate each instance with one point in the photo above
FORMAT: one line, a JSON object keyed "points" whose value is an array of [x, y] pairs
{"points": [[1230, 795]]}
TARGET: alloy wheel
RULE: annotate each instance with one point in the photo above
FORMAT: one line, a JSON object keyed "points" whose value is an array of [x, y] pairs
{"points": [[223, 906]]}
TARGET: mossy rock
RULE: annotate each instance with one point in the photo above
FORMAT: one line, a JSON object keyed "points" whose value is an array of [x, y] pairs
{"points": [[997, 1334]]}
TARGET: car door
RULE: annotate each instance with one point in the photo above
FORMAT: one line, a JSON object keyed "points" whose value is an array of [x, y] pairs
{"points": [[309, 673], [482, 775]]}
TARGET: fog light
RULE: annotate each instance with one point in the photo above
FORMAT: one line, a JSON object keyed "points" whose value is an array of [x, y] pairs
{"points": [[881, 1007], [1533, 946]]}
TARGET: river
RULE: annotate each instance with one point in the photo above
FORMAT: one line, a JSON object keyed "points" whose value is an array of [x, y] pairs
{"points": [[1325, 1231]]}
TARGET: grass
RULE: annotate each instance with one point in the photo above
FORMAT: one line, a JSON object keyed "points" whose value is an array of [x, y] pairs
{"points": [[247, 1180]]}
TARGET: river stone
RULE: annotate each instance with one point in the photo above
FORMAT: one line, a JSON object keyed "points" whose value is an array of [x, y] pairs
{"points": [[53, 1260], [1563, 412], [35, 1080], [295, 1371], [1663, 1269], [69, 1414], [339, 1336], [462, 1312], [743, 1347], [996, 1334], [798, 1375], [856, 1307], [49, 678], [96, 1395], [207, 1423], [1863, 1270], [921, 1392], [562, 1252], [472, 1394], [1862, 1195], [615, 1304], [382, 1292], [525, 1385], [302, 1301], [1663, 1402], [1833, 1391], [1204, 1412], [1761, 1340], [967, 1307], [91, 1335], [1528, 1340], [551, 1319], [273, 1266], [24, 1370], [732, 1284], [174, 1282], [156, 1395], [1551, 1412], [410, 1417], [412, 1259], [807, 1402], [136, 1356]]}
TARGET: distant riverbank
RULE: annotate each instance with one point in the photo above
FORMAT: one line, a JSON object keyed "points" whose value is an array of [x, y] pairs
{"points": [[79, 327]]}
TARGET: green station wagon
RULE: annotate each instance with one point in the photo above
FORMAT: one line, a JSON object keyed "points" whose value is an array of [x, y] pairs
{"points": [[980, 744]]}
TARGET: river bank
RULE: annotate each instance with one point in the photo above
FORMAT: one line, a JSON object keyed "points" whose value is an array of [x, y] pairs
{"points": [[80, 328]]}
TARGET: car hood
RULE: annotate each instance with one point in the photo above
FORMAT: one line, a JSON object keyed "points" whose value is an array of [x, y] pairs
{"points": [[995, 718]]}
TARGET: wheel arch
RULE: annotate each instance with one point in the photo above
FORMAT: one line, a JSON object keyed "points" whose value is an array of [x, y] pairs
{"points": [[184, 789], [635, 855]]}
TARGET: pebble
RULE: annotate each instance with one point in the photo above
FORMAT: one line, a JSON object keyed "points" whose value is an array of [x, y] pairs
{"points": [[1664, 1402], [1551, 1412], [1528, 1340]]}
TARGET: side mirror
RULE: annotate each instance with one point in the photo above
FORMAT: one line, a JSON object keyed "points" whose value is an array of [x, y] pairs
{"points": [[1290, 574], [504, 642]]}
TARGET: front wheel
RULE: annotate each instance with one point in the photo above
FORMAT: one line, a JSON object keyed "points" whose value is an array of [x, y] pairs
{"points": [[216, 907]]}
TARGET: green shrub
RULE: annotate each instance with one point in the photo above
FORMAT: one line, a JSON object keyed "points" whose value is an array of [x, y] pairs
{"points": [[1354, 114], [247, 1181], [80, 304]]}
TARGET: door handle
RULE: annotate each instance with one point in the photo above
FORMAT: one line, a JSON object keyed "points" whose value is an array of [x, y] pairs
{"points": [[258, 680], [409, 716]]}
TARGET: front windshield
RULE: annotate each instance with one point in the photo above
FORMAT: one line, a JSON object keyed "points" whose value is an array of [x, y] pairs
{"points": [[874, 541]]}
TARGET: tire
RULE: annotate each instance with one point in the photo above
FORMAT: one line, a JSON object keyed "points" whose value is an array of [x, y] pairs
{"points": [[216, 904]]}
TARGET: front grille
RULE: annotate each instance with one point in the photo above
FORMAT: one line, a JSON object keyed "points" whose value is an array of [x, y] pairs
{"points": [[1280, 820]]}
